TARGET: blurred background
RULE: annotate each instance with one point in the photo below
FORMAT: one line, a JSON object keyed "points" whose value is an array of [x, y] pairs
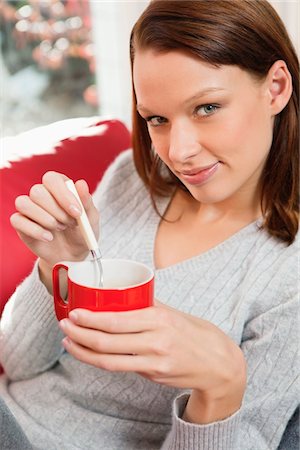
{"points": [[61, 59]]}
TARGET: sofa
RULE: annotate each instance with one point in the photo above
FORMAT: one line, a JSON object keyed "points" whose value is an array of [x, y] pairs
{"points": [[79, 148]]}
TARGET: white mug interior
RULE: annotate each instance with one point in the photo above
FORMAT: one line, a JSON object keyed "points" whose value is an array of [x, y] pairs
{"points": [[117, 273]]}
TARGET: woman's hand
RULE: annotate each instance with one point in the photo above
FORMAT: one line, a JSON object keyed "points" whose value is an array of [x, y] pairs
{"points": [[46, 222], [167, 347]]}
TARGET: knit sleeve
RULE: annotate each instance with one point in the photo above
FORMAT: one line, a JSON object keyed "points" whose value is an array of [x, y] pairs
{"points": [[30, 338], [270, 344]]}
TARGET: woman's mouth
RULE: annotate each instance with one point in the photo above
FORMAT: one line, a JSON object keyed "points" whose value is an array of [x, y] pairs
{"points": [[199, 176]]}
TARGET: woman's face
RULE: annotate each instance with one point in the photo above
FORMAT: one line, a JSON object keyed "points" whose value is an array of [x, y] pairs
{"points": [[211, 126]]}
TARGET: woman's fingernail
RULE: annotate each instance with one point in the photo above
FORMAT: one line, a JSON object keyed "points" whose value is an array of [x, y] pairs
{"points": [[66, 342], [47, 236], [63, 323], [75, 211], [73, 316]]}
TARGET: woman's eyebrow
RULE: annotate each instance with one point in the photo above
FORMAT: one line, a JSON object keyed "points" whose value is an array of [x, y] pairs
{"points": [[194, 97], [140, 108], [202, 93]]}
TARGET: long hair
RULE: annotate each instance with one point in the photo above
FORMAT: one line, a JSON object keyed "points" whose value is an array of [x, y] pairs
{"points": [[250, 35]]}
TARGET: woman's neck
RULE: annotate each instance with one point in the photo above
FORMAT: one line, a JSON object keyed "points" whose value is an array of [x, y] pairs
{"points": [[191, 228], [241, 208]]}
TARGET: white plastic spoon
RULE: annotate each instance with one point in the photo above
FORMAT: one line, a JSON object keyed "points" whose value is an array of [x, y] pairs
{"points": [[88, 234]]}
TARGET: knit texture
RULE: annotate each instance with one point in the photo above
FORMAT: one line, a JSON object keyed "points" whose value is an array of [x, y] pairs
{"points": [[247, 286]]}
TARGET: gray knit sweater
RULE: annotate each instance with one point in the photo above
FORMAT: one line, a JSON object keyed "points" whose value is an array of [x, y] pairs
{"points": [[247, 286]]}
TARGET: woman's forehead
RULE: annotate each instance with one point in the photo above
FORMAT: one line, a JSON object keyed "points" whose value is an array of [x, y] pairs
{"points": [[155, 72]]}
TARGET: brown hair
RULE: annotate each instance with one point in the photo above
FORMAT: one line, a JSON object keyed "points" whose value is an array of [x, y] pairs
{"points": [[245, 33]]}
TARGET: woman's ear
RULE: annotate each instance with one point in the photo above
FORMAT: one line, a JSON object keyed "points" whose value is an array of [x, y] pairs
{"points": [[279, 85]]}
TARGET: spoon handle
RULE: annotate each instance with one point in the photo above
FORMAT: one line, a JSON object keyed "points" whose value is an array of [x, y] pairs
{"points": [[88, 234], [84, 223]]}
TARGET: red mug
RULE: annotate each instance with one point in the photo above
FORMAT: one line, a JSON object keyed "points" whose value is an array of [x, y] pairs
{"points": [[126, 285]]}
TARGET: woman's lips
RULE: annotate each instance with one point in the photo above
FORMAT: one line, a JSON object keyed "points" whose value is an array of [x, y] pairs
{"points": [[201, 176]]}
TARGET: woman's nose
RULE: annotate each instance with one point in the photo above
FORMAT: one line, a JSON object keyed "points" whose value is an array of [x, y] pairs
{"points": [[184, 143]]}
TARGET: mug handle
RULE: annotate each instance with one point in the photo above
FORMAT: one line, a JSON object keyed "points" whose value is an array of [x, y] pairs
{"points": [[61, 305]]}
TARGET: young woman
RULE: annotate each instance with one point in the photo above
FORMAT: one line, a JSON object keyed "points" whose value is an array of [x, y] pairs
{"points": [[209, 199]]}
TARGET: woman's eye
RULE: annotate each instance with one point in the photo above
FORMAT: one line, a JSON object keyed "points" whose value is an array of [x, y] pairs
{"points": [[155, 121], [206, 110]]}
